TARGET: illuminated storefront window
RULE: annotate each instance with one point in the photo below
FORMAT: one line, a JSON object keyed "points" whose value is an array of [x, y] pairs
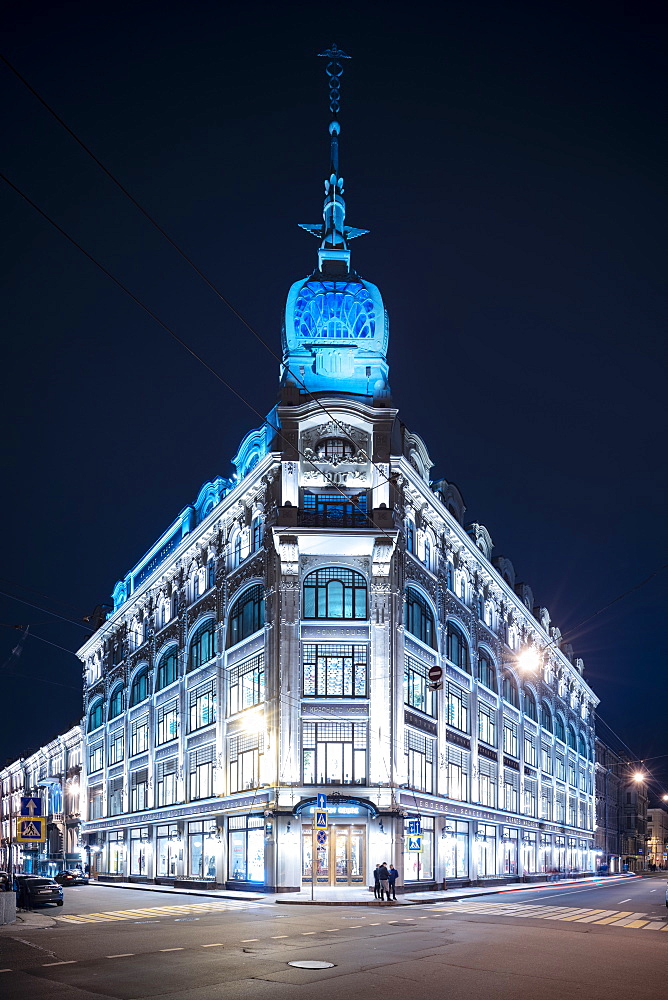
{"points": [[202, 848], [419, 865], [456, 837], [246, 848]]}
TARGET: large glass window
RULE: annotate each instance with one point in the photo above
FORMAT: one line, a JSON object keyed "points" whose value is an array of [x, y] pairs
{"points": [[116, 864], [334, 670], [419, 618], [335, 593], [417, 692], [167, 719], [116, 703], [245, 755], [336, 510], [510, 690], [546, 717], [168, 847], [530, 749], [95, 758], [116, 746], [202, 706], [139, 689], [95, 803], [530, 705], [95, 716], [115, 797], [202, 644], [419, 750], [168, 668], [487, 782], [572, 739], [486, 672], [138, 790], [487, 724], [456, 837], [139, 844], [559, 730], [200, 773], [246, 848], [202, 844], [247, 684], [457, 649], [165, 782], [334, 753], [139, 736], [458, 773], [486, 849], [457, 707], [510, 738], [511, 787], [246, 615]]}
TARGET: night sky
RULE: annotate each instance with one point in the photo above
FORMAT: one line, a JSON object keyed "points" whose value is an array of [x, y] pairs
{"points": [[510, 162]]}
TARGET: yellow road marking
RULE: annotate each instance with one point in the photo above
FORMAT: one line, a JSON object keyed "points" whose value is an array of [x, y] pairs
{"points": [[580, 916], [637, 923], [617, 916]]}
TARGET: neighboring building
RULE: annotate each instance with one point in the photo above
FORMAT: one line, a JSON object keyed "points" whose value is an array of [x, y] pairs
{"points": [[657, 837], [621, 811], [52, 773], [279, 638]]}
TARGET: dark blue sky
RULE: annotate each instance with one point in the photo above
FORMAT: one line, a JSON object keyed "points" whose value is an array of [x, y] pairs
{"points": [[510, 162]]}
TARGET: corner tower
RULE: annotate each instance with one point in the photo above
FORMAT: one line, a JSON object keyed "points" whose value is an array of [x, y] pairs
{"points": [[336, 330]]}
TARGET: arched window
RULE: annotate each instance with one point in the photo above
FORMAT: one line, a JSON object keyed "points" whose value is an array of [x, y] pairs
{"points": [[582, 746], [419, 618], [335, 592], [236, 554], [174, 604], [427, 553], [530, 705], [168, 668], [196, 585], [572, 739], [95, 716], [258, 533], [246, 615], [457, 649], [509, 690], [559, 730], [486, 672], [139, 689], [210, 573], [334, 448], [480, 608], [546, 717], [410, 537], [116, 703], [202, 644], [449, 578]]}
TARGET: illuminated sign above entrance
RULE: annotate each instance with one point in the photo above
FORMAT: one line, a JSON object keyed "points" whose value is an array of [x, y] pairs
{"points": [[339, 810]]}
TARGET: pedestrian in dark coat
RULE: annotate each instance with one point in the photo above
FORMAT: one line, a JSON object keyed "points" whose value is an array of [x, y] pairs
{"points": [[393, 875], [376, 883], [384, 878]]}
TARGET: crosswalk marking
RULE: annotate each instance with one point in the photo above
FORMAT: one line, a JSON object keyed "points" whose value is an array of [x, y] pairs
{"points": [[213, 906], [565, 914]]}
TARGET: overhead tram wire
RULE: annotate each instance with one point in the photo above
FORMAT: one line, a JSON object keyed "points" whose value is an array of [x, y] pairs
{"points": [[189, 349], [223, 298]]}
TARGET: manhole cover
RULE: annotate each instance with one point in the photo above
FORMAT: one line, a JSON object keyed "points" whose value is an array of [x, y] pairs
{"points": [[312, 965]]}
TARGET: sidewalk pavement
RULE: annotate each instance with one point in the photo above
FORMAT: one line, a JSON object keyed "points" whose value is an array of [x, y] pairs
{"points": [[362, 896]]}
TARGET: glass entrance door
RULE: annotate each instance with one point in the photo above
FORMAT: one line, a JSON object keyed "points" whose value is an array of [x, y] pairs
{"points": [[341, 861]]}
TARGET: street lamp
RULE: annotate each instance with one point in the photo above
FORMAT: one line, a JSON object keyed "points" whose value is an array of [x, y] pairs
{"points": [[528, 661]]}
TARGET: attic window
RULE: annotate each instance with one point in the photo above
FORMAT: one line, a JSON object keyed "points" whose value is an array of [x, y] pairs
{"points": [[335, 448]]}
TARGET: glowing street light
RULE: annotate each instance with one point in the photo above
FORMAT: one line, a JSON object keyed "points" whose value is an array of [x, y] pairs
{"points": [[528, 660], [638, 776], [253, 721]]}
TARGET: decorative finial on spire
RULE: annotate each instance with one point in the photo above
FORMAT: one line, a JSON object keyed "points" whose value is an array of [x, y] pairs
{"points": [[334, 69]]}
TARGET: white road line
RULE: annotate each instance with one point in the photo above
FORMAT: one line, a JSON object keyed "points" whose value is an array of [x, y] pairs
{"points": [[124, 954], [306, 933], [171, 949], [275, 937], [652, 890], [218, 944], [45, 965], [6, 970], [624, 900], [248, 940]]}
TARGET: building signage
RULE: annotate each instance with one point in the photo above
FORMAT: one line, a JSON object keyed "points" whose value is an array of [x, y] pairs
{"points": [[338, 810]]}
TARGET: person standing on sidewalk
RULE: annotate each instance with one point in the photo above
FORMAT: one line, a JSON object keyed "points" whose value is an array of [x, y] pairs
{"points": [[393, 875], [384, 879], [376, 883]]}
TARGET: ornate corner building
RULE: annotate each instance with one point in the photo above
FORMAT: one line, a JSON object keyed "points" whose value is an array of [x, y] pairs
{"points": [[325, 622]]}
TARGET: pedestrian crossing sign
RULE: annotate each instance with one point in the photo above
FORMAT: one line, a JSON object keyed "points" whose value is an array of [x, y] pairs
{"points": [[321, 819], [414, 843], [31, 830]]}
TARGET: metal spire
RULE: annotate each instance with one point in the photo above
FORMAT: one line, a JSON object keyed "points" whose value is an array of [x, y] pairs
{"points": [[332, 231]]}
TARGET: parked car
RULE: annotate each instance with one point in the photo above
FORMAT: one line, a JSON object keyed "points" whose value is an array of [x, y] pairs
{"points": [[35, 890], [71, 876]]}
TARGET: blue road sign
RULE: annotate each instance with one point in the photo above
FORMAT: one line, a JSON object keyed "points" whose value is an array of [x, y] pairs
{"points": [[321, 836], [414, 843], [31, 806], [414, 826], [322, 800], [321, 819]]}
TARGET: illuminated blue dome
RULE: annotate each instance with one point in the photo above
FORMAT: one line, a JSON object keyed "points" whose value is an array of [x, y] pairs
{"points": [[334, 310]]}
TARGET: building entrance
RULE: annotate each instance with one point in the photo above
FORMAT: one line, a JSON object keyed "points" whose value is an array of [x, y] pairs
{"points": [[341, 861]]}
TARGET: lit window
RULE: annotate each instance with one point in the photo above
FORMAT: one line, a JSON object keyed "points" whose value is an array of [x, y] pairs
{"points": [[546, 717], [202, 644], [246, 615], [116, 703], [139, 689], [530, 705], [457, 650], [510, 691], [168, 668], [486, 672], [419, 618], [335, 593], [335, 448]]}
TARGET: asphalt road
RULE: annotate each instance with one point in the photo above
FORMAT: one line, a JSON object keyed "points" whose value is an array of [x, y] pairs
{"points": [[128, 945]]}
